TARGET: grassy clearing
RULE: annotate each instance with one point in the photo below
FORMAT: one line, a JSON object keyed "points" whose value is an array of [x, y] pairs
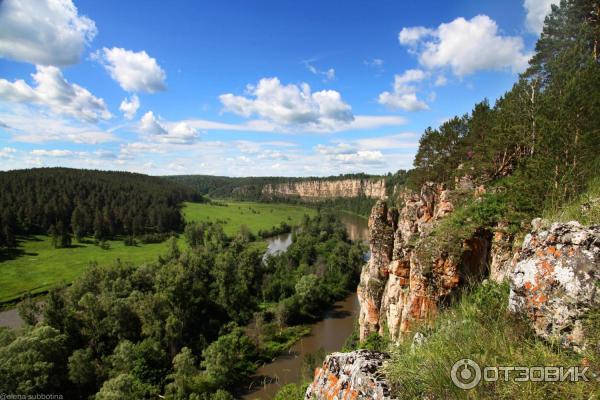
{"points": [[256, 216], [480, 328], [35, 266]]}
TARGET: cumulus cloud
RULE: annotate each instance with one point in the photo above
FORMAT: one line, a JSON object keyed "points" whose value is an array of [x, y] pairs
{"points": [[536, 11], [291, 105], [175, 133], [135, 72], [48, 32], [412, 36], [130, 106], [466, 46], [53, 91], [404, 95]]}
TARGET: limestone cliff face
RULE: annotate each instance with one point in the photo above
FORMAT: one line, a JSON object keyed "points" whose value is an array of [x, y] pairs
{"points": [[400, 286], [327, 189]]}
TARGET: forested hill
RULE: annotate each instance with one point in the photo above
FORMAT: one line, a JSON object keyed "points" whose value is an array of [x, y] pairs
{"points": [[250, 188], [88, 202], [538, 146]]}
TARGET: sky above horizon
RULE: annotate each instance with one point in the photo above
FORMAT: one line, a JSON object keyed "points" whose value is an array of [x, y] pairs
{"points": [[239, 88]]}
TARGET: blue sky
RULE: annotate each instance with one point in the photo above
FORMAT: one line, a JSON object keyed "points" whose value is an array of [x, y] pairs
{"points": [[243, 88]]}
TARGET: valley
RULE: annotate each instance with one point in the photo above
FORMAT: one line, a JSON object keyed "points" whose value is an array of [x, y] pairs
{"points": [[35, 265], [299, 200]]}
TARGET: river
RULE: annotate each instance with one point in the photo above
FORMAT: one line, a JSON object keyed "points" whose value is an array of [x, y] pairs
{"points": [[355, 225], [329, 334]]}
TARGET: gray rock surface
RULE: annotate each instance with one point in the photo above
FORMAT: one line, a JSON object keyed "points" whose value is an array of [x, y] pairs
{"points": [[354, 375], [556, 280]]}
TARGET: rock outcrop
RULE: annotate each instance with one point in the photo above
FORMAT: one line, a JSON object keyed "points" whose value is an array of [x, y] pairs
{"points": [[400, 286], [556, 280], [502, 257], [355, 375], [327, 189]]}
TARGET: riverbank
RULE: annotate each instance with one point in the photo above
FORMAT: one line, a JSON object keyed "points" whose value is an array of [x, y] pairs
{"points": [[327, 335]]}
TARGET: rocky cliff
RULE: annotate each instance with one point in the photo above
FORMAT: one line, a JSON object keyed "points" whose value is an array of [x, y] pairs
{"points": [[554, 278], [327, 189], [403, 284]]}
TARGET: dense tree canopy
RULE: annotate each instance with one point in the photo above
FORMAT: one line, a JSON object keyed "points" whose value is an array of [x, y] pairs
{"points": [[174, 327], [62, 201], [543, 133]]}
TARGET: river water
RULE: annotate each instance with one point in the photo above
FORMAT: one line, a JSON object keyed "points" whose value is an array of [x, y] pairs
{"points": [[329, 334]]}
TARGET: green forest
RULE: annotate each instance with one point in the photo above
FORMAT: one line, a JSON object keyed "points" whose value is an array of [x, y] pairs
{"points": [[175, 327], [68, 202], [537, 147]]}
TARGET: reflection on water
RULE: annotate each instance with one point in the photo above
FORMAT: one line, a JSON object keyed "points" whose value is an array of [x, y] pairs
{"points": [[357, 226], [278, 243]]}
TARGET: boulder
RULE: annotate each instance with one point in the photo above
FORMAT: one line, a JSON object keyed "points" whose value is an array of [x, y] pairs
{"points": [[556, 280], [355, 375]]}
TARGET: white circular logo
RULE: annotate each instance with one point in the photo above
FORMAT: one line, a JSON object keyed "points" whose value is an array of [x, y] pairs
{"points": [[466, 374]]}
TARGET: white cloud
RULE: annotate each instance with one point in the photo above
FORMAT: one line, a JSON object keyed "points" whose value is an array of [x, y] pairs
{"points": [[441, 80], [404, 140], [291, 105], [348, 154], [412, 36], [56, 153], [105, 154], [328, 75], [32, 126], [536, 11], [7, 152], [376, 63], [254, 147], [135, 72], [47, 32], [130, 106], [175, 133], [376, 121], [466, 46], [53, 91], [405, 101], [404, 95], [360, 122]]}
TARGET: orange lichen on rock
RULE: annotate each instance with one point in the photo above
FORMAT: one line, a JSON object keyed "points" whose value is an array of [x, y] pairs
{"points": [[354, 375], [555, 280]]}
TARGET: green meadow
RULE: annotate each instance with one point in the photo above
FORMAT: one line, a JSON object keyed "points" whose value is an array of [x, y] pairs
{"points": [[256, 216], [36, 266]]}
